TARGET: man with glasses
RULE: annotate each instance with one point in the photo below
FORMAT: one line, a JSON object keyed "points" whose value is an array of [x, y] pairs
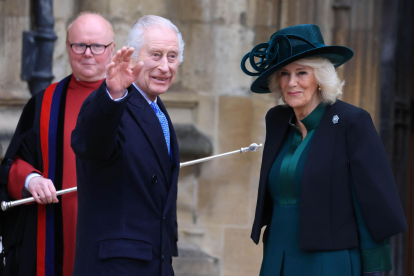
{"points": [[42, 160]]}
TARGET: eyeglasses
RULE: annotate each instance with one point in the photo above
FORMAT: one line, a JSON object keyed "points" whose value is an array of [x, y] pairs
{"points": [[96, 49]]}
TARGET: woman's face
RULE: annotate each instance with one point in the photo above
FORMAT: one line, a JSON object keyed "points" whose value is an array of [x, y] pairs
{"points": [[299, 86]]}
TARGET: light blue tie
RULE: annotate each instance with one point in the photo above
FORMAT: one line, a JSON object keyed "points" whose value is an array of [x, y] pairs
{"points": [[164, 124]]}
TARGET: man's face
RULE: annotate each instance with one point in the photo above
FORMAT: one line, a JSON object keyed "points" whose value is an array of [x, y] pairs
{"points": [[90, 29], [160, 57]]}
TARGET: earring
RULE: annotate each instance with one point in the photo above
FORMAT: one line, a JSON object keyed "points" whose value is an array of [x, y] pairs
{"points": [[319, 88]]}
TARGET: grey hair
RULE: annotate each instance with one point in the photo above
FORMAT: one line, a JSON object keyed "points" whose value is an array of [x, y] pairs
{"points": [[136, 36], [325, 74]]}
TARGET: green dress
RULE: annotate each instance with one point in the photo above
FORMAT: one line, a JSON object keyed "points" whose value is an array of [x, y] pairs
{"points": [[282, 255]]}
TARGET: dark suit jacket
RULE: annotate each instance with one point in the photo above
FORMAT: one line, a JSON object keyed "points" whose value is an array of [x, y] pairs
{"points": [[349, 149], [127, 188]]}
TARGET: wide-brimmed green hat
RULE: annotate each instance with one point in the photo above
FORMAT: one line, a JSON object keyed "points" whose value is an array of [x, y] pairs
{"points": [[286, 46]]}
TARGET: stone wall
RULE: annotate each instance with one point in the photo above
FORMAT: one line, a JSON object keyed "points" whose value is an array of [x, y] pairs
{"points": [[216, 200], [14, 19]]}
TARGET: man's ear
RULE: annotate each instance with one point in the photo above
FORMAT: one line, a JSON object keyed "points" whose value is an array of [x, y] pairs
{"points": [[68, 47], [112, 47]]}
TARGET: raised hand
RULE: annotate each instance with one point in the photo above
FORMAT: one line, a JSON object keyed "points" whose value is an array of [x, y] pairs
{"points": [[42, 190], [119, 74]]}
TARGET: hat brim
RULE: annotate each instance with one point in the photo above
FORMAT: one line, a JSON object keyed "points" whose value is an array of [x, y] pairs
{"points": [[338, 55]]}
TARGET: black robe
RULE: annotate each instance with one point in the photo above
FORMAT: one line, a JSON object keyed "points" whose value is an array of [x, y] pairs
{"points": [[18, 225]]}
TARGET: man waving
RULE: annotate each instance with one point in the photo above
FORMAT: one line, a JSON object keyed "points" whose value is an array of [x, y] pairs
{"points": [[128, 159]]}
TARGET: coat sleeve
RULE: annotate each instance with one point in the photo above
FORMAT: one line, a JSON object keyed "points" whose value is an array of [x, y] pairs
{"points": [[375, 187], [19, 170], [376, 256], [97, 134]]}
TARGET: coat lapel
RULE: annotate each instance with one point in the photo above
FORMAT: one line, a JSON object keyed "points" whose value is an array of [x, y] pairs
{"points": [[318, 170], [149, 123], [320, 156], [277, 124]]}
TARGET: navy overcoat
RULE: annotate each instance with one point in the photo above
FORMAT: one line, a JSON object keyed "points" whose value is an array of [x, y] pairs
{"points": [[348, 149], [127, 188]]}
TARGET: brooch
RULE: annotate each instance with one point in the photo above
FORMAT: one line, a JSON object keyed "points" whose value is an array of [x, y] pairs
{"points": [[335, 119]]}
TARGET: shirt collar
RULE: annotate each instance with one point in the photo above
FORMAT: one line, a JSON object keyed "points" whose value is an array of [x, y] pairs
{"points": [[143, 94], [84, 81], [313, 119]]}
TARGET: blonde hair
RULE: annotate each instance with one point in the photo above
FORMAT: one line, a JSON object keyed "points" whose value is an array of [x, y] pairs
{"points": [[325, 74], [89, 13], [136, 36]]}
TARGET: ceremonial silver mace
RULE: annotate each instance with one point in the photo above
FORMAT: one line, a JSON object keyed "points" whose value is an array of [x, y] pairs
{"points": [[253, 147]]}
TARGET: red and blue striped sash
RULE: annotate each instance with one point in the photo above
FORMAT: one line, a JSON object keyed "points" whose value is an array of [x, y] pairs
{"points": [[48, 138]]}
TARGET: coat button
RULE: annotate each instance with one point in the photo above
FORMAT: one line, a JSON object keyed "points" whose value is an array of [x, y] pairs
{"points": [[162, 257], [154, 179]]}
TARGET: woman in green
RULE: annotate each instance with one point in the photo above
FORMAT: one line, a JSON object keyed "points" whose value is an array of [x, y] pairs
{"points": [[326, 193]]}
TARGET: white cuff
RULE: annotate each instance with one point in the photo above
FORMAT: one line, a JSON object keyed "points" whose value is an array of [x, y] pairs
{"points": [[29, 177], [126, 93]]}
